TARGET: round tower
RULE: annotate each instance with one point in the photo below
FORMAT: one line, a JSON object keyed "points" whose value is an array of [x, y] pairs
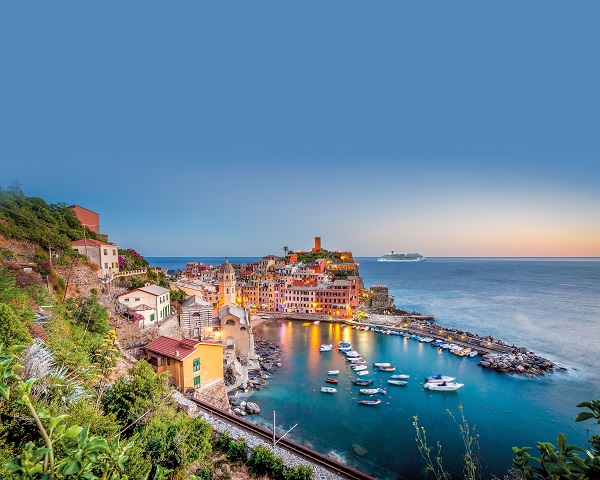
{"points": [[226, 284]]}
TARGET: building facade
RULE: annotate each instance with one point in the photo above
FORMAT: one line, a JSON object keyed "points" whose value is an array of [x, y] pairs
{"points": [[153, 296], [104, 254]]}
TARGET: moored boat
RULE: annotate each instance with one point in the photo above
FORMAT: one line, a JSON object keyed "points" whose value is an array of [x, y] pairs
{"points": [[372, 391], [331, 380], [357, 368], [400, 383], [328, 390], [382, 364], [361, 382], [362, 372], [332, 372], [445, 386], [369, 402], [401, 375], [387, 369]]}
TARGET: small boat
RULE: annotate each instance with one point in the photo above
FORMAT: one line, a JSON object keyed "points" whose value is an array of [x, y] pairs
{"points": [[306, 324], [362, 372], [387, 369], [402, 375], [473, 354], [439, 379], [343, 344], [357, 368], [332, 372], [385, 364], [316, 322], [331, 380], [352, 353], [369, 402], [400, 383], [324, 349], [361, 382], [327, 345], [372, 391], [328, 390], [445, 386]]}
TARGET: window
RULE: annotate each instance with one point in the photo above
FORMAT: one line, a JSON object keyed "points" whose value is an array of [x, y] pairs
{"points": [[151, 317], [137, 299], [114, 252], [243, 329], [229, 322], [105, 251], [197, 381], [196, 364], [106, 265], [126, 299]]}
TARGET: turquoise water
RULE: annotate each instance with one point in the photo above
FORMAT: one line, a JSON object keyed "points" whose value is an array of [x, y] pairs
{"points": [[551, 306]]}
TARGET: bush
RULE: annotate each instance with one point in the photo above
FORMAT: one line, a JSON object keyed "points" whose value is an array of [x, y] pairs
{"points": [[261, 461], [238, 451], [299, 472]]}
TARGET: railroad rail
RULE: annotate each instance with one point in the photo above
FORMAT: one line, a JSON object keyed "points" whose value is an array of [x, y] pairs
{"points": [[300, 450]]}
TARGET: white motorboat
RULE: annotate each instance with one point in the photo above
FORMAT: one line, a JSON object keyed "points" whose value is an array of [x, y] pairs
{"points": [[352, 353], [444, 387], [382, 364], [372, 391], [400, 376], [363, 372], [328, 389], [332, 372], [324, 349], [439, 379], [400, 383], [359, 367]]}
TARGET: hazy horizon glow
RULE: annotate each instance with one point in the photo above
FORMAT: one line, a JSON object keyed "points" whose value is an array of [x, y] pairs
{"points": [[213, 130]]}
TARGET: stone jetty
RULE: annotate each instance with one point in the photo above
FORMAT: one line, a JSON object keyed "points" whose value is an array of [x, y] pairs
{"points": [[522, 362]]}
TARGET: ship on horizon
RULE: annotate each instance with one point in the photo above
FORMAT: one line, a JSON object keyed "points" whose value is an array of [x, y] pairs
{"points": [[401, 257]]}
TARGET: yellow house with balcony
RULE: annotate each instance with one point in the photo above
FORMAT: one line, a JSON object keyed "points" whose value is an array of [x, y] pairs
{"points": [[191, 364]]}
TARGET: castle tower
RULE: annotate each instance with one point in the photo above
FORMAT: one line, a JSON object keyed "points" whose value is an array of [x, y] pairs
{"points": [[317, 247], [226, 284]]}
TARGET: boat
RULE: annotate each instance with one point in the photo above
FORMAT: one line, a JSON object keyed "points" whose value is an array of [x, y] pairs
{"points": [[341, 343], [331, 380], [327, 345], [372, 391], [328, 390], [401, 257], [361, 382], [356, 368], [369, 402], [473, 354], [316, 322], [439, 379], [402, 375], [385, 364], [387, 369], [324, 349], [400, 383], [362, 372], [332, 372], [444, 386]]}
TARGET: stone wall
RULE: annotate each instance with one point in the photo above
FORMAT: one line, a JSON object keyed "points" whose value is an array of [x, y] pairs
{"points": [[381, 297]]}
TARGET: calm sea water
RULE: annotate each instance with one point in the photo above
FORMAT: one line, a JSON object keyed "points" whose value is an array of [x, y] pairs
{"points": [[551, 306]]}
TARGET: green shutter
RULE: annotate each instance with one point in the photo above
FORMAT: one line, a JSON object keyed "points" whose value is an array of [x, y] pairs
{"points": [[197, 381], [196, 364]]}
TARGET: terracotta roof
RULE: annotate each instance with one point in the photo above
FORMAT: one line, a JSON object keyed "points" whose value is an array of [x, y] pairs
{"points": [[90, 242], [167, 346]]}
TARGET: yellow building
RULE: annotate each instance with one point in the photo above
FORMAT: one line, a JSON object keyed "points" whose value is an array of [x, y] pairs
{"points": [[191, 364]]}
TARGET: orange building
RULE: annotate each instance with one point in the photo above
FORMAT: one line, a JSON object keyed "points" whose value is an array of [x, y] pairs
{"points": [[190, 363], [87, 218]]}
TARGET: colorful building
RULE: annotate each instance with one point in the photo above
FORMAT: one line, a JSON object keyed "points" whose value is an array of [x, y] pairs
{"points": [[191, 364], [104, 254], [153, 296]]}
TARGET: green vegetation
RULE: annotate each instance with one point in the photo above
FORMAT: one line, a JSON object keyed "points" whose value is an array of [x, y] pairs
{"points": [[308, 257], [31, 219]]}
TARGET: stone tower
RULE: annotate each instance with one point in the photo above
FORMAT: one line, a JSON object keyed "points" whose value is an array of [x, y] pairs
{"points": [[226, 284]]}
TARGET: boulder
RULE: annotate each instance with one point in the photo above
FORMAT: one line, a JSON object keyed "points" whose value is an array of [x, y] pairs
{"points": [[252, 408]]}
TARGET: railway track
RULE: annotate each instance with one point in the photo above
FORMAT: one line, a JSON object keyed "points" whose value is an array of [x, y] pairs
{"points": [[300, 450]]}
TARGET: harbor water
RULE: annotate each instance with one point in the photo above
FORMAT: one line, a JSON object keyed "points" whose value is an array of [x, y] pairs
{"points": [[551, 306]]}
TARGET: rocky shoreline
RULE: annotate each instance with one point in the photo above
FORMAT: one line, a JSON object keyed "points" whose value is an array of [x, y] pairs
{"points": [[269, 359]]}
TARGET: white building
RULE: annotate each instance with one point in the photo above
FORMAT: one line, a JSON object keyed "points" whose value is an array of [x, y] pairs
{"points": [[105, 254], [152, 296]]}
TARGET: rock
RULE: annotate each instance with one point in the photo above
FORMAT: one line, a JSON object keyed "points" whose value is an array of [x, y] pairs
{"points": [[252, 408], [361, 451]]}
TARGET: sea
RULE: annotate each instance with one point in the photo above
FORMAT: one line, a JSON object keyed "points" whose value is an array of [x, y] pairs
{"points": [[549, 305]]}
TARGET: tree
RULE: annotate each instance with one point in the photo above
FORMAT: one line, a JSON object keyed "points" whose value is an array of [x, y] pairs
{"points": [[563, 461], [16, 187], [92, 315], [13, 329], [285, 249]]}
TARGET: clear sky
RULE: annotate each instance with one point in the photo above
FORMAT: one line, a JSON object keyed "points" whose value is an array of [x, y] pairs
{"points": [[466, 128]]}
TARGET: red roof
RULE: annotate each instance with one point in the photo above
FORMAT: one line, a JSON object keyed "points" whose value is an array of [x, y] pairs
{"points": [[167, 346], [90, 242]]}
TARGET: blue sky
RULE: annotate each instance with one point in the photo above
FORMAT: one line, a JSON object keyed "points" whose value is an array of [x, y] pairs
{"points": [[234, 128]]}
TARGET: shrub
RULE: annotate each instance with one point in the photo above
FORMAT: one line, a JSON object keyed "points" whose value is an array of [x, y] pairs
{"points": [[299, 472], [238, 451], [261, 461]]}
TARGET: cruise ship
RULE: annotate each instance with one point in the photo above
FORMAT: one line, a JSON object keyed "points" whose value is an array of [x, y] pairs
{"points": [[401, 257]]}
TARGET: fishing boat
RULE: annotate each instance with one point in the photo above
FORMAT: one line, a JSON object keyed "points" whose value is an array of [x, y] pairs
{"points": [[331, 380], [401, 375], [369, 402], [400, 383], [361, 382], [362, 372], [328, 390], [332, 372], [384, 364], [387, 369], [372, 391], [439, 379], [444, 387]]}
